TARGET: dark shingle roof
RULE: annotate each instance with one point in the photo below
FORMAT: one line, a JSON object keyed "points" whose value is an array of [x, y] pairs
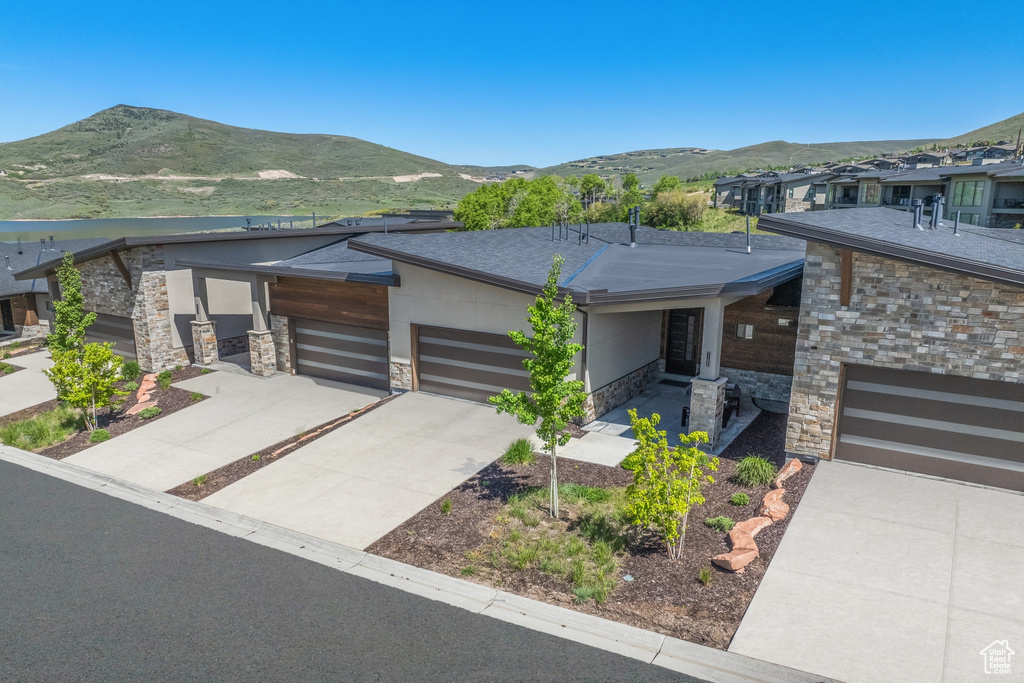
{"points": [[664, 264], [989, 253], [32, 254]]}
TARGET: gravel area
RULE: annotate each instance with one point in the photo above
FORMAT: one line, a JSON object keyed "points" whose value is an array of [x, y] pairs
{"points": [[664, 595]]}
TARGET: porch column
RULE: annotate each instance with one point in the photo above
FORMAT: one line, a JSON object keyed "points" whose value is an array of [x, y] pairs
{"points": [[204, 330], [262, 355], [707, 390]]}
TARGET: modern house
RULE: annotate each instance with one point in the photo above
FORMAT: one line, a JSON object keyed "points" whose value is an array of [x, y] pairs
{"points": [[910, 351], [771, 192], [25, 304], [413, 311]]}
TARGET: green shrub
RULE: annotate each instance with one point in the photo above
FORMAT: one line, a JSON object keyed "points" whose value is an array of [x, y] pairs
{"points": [[256, 457], [577, 493], [7, 354], [705, 576], [196, 396], [468, 570], [205, 371], [519, 452], [131, 386], [164, 379], [721, 524], [446, 506], [200, 480], [99, 436], [6, 368], [754, 470], [740, 499], [177, 367], [130, 370], [151, 412], [43, 430]]}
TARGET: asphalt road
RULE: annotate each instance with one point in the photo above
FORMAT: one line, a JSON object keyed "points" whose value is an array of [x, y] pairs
{"points": [[93, 588]]}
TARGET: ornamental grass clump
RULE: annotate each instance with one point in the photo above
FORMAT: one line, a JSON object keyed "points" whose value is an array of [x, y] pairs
{"points": [[519, 452], [754, 470]]}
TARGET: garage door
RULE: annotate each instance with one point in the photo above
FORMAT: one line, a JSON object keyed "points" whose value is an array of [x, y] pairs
{"points": [[116, 329], [955, 427], [343, 353], [470, 365]]}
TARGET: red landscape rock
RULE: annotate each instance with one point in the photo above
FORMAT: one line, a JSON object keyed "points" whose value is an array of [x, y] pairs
{"points": [[772, 505], [735, 560], [139, 407], [145, 387], [752, 526], [787, 471]]}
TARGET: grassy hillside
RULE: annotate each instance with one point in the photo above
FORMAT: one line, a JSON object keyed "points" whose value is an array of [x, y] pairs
{"points": [[651, 164], [1006, 129]]}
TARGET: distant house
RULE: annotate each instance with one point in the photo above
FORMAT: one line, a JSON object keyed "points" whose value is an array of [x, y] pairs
{"points": [[927, 160], [984, 152]]}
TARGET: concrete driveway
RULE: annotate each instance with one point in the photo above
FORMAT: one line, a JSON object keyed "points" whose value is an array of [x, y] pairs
{"points": [[28, 387], [364, 479], [887, 576], [243, 415]]}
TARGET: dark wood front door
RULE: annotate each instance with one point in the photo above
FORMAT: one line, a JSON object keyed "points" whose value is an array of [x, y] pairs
{"points": [[685, 329], [6, 316]]}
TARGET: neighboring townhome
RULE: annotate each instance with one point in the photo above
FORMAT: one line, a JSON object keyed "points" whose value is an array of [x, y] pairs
{"points": [[910, 351], [25, 304]]}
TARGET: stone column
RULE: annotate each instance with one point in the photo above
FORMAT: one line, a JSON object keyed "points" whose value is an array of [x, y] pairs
{"points": [[204, 342], [262, 355], [707, 406], [281, 333]]}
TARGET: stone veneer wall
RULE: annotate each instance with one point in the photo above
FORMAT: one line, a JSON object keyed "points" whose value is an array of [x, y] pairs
{"points": [[761, 384], [281, 335], [707, 408], [614, 394], [262, 353], [900, 316], [146, 303], [401, 376], [233, 345]]}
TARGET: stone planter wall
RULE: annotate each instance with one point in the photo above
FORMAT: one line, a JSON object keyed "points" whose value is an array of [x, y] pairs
{"points": [[614, 394], [761, 384]]}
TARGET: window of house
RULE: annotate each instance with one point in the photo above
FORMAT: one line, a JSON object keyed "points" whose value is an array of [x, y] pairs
{"points": [[970, 218], [968, 193], [745, 331], [789, 193], [901, 195], [869, 193]]}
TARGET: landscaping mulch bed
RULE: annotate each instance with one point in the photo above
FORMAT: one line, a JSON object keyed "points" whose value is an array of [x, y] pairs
{"points": [[117, 421], [8, 369], [21, 348], [665, 595], [243, 467]]}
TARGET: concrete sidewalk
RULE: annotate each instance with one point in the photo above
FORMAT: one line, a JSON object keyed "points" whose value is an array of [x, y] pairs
{"points": [[359, 482], [27, 387], [243, 415], [883, 575]]}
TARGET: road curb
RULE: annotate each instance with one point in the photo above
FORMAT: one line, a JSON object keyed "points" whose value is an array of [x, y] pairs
{"points": [[717, 666]]}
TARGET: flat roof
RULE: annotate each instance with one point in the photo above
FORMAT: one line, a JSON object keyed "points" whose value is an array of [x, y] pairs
{"points": [[993, 254]]}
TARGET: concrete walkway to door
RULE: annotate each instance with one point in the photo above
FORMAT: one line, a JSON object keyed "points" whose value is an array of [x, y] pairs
{"points": [[27, 387], [887, 576], [243, 415], [359, 482]]}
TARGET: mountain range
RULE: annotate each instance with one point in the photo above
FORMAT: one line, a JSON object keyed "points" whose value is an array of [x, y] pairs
{"points": [[136, 161]]}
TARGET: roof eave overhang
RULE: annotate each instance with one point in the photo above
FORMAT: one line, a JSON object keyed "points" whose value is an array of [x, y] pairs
{"points": [[48, 268], [212, 268], [884, 249]]}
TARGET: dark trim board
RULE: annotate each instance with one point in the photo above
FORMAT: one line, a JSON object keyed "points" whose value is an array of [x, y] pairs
{"points": [[947, 426]]}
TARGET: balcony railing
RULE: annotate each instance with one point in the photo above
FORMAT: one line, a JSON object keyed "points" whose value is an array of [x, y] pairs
{"points": [[1013, 203], [845, 200]]}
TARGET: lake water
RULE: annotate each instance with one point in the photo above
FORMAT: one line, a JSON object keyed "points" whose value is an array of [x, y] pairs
{"points": [[30, 231]]}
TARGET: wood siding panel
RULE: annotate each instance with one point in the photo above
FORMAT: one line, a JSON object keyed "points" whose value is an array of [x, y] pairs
{"points": [[346, 303], [773, 347]]}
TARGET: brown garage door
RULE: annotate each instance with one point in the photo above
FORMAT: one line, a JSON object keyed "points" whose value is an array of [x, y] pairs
{"points": [[955, 427], [116, 329], [343, 353], [470, 365]]}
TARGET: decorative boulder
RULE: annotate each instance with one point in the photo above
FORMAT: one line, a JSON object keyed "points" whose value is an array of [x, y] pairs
{"points": [[736, 560], [787, 471], [772, 505]]}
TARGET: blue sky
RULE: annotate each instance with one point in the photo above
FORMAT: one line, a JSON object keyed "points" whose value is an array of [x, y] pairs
{"points": [[527, 82]]}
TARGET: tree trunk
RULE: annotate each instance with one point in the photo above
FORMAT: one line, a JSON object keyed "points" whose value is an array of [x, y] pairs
{"points": [[682, 536], [93, 411], [554, 480]]}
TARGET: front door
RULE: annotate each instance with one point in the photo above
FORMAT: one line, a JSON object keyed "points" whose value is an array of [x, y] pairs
{"points": [[6, 316], [685, 329]]}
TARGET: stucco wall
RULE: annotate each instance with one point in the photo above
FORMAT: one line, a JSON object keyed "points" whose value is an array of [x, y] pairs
{"points": [[900, 316], [620, 343], [430, 298], [230, 306]]}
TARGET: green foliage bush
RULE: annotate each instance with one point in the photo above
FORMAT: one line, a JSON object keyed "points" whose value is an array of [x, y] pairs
{"points": [[151, 412], [164, 379], [720, 523], [195, 397], [205, 371], [754, 470], [705, 576], [131, 386], [99, 436], [131, 370], [6, 368], [43, 430], [740, 499], [519, 452], [577, 493], [446, 506]]}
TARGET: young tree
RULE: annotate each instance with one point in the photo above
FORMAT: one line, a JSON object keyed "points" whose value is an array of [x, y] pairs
{"points": [[86, 378], [666, 482], [70, 319], [664, 184], [554, 399]]}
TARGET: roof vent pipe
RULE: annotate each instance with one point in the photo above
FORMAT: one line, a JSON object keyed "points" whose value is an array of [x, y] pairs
{"points": [[956, 225], [748, 233], [42, 244], [53, 247], [937, 201], [918, 205], [8, 262], [632, 226], [19, 246]]}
